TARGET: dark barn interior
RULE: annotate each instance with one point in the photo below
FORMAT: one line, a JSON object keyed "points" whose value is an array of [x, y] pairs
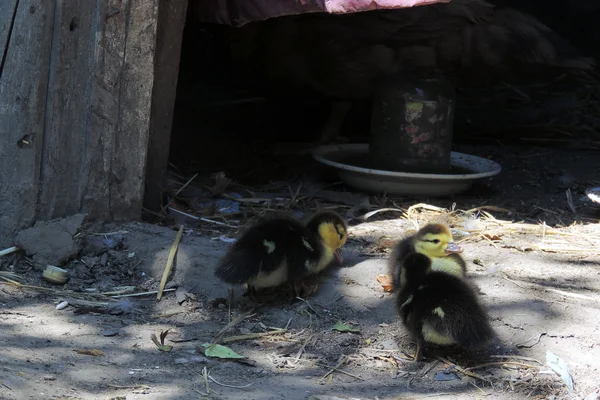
{"points": [[229, 117]]}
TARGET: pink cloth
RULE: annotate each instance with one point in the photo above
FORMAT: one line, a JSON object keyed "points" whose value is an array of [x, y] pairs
{"points": [[241, 12]]}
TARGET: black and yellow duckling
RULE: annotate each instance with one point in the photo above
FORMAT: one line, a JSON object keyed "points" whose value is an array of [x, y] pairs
{"points": [[440, 308], [436, 242], [282, 250]]}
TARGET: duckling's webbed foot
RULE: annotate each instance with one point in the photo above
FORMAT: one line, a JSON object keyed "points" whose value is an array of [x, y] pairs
{"points": [[418, 351], [259, 297], [304, 289]]}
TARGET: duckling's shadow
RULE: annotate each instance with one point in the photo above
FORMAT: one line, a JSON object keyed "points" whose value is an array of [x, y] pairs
{"points": [[352, 287], [465, 358]]}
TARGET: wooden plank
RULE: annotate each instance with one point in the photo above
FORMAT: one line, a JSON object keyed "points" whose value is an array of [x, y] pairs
{"points": [[104, 107], [120, 105], [135, 99], [171, 20], [8, 10], [63, 160], [120, 109], [23, 85]]}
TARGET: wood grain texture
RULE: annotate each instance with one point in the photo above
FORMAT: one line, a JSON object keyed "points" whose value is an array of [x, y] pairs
{"points": [[23, 88], [77, 80], [63, 168], [120, 109], [135, 96], [7, 13], [171, 20], [97, 132]]}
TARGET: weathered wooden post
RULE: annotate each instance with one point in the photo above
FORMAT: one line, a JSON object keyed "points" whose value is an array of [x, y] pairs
{"points": [[77, 79]]}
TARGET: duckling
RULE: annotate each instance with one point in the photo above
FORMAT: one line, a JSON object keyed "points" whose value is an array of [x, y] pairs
{"points": [[440, 308], [282, 250], [436, 242]]}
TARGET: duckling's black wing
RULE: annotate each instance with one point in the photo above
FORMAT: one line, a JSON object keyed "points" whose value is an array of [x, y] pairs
{"points": [[401, 250], [303, 250], [452, 308], [264, 248]]}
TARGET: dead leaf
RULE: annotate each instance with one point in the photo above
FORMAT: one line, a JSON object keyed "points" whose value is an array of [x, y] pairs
{"points": [[90, 352], [493, 237], [386, 282], [385, 243]]}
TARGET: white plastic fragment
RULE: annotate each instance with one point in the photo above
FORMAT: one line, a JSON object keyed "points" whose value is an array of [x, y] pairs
{"points": [[558, 365], [62, 305]]}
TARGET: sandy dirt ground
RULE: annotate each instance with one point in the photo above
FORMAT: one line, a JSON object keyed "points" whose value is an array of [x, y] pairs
{"points": [[539, 282]]}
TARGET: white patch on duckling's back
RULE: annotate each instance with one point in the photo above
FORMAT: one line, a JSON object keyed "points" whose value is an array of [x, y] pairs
{"points": [[307, 245], [432, 336], [439, 312], [271, 279], [269, 245]]}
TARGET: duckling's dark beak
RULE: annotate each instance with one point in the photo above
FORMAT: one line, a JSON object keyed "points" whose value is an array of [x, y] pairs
{"points": [[453, 248], [338, 256]]}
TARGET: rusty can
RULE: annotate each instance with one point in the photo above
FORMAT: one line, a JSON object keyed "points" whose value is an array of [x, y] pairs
{"points": [[412, 125]]}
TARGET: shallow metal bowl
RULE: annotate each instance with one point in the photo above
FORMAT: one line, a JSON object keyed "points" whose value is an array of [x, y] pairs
{"points": [[347, 159]]}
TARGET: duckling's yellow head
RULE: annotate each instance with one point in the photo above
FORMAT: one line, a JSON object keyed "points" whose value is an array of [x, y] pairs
{"points": [[332, 229], [435, 240]]}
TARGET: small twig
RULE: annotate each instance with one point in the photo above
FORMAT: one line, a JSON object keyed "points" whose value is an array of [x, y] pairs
{"points": [[230, 295], [491, 208], [205, 376], [169, 265], [107, 233], [308, 305], [537, 340], [488, 239], [570, 201], [217, 222], [301, 351], [168, 314], [20, 285], [201, 219], [6, 276], [368, 215], [337, 370], [463, 370], [524, 358], [339, 364], [129, 386], [162, 210], [252, 336], [229, 386], [514, 282], [233, 323], [8, 251], [118, 296], [122, 290], [500, 363]]}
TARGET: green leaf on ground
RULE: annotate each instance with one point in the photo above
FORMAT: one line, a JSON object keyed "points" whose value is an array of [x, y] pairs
{"points": [[220, 351]]}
